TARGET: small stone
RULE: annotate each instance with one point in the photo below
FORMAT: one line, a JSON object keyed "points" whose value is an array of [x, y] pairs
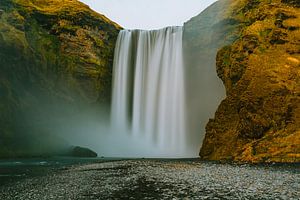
{"points": [[283, 197]]}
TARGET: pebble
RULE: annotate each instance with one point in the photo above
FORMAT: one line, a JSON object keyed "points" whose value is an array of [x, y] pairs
{"points": [[149, 179]]}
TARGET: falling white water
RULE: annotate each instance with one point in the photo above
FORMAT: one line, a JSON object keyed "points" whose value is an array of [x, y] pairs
{"points": [[148, 104]]}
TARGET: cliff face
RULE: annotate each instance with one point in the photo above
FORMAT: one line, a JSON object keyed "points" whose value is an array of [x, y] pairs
{"points": [[259, 120], [203, 36], [52, 53]]}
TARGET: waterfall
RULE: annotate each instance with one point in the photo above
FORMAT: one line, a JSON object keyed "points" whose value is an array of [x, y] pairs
{"points": [[148, 101]]}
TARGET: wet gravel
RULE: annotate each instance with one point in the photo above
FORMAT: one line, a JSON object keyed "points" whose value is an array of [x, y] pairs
{"points": [[153, 179]]}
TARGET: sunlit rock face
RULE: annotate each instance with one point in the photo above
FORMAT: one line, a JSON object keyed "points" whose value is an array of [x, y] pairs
{"points": [[55, 60], [259, 119]]}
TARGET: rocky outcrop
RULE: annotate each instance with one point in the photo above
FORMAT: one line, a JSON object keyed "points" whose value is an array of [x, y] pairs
{"points": [[259, 120], [55, 57], [82, 152]]}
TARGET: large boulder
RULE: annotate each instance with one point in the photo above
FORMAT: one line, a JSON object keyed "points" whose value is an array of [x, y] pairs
{"points": [[82, 152]]}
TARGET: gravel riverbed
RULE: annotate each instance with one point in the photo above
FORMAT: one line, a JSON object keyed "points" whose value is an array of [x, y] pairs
{"points": [[153, 179]]}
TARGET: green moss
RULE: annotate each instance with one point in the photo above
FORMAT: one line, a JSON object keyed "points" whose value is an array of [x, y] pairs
{"points": [[260, 71], [51, 51]]}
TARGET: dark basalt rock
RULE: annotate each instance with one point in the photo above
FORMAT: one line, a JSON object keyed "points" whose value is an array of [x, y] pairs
{"points": [[251, 5], [292, 2], [278, 37], [82, 152]]}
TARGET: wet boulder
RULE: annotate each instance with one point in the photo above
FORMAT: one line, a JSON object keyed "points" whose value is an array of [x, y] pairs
{"points": [[82, 152]]}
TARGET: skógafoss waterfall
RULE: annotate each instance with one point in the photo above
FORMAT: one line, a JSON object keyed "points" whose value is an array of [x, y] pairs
{"points": [[148, 101]]}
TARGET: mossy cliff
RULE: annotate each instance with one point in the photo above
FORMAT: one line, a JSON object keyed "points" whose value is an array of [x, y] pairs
{"points": [[259, 120], [52, 52]]}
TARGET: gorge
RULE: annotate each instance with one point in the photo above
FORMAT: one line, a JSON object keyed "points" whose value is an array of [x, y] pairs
{"points": [[206, 110], [56, 83]]}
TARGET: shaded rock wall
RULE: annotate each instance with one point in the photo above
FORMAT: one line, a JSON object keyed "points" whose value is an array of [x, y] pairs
{"points": [[203, 36], [259, 120], [55, 59]]}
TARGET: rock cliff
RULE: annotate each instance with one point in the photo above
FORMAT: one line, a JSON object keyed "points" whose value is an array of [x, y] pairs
{"points": [[259, 120], [203, 36], [55, 55]]}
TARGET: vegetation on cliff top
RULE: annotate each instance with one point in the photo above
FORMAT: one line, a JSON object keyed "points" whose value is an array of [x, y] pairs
{"points": [[259, 120], [54, 53]]}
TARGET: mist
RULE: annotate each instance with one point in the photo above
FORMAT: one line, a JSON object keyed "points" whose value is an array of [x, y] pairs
{"points": [[58, 122], [203, 36]]}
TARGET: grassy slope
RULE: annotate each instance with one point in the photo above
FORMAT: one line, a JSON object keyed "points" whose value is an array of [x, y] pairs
{"points": [[259, 120], [53, 51]]}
